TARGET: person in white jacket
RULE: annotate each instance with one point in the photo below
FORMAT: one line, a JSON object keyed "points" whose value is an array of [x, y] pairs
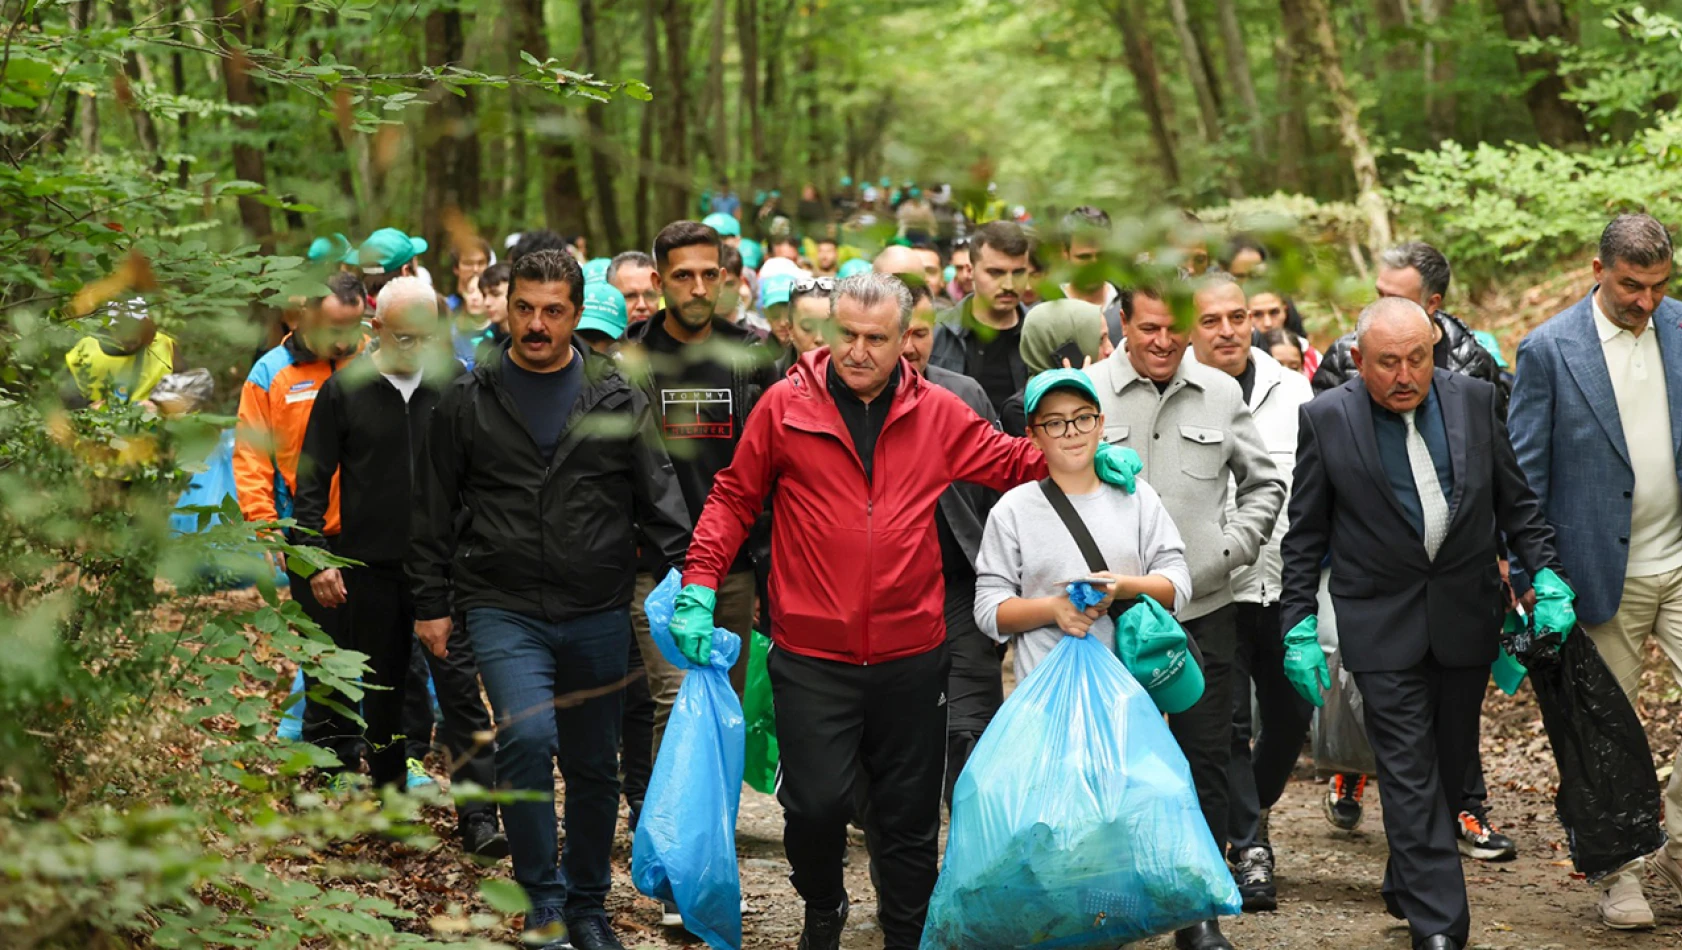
{"points": [[1220, 339]]}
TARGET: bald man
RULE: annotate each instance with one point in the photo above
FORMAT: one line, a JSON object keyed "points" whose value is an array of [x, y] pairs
{"points": [[1410, 468]]}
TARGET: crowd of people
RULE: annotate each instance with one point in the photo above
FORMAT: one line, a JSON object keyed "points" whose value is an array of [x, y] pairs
{"points": [[874, 460]]}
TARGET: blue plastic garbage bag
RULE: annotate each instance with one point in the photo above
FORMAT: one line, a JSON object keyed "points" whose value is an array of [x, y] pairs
{"points": [[1075, 824], [208, 489], [685, 846]]}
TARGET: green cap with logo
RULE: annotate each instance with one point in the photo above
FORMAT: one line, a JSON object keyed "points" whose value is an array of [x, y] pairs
{"points": [[725, 224], [388, 249], [604, 309], [1153, 647], [852, 267], [595, 270], [776, 289], [1073, 380]]}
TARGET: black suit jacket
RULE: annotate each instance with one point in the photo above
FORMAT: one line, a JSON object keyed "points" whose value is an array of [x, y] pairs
{"points": [[1394, 604]]}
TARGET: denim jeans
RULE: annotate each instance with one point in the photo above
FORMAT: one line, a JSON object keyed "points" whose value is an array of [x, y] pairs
{"points": [[531, 669]]}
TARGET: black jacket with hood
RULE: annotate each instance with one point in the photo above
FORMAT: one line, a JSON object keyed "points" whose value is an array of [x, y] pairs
{"points": [[496, 525], [1465, 356]]}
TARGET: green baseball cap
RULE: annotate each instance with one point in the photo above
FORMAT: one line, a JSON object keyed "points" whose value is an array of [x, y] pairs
{"points": [[753, 253], [388, 249], [853, 267], [1153, 647], [335, 247], [725, 224], [595, 270], [776, 289], [1051, 379], [1488, 341], [604, 309]]}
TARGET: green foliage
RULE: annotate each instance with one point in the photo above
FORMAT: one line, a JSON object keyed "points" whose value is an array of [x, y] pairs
{"points": [[1496, 208]]}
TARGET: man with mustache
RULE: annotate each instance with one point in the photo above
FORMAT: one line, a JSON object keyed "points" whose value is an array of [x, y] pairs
{"points": [[1406, 478], [1594, 422], [855, 448], [546, 470], [1191, 426], [981, 337]]}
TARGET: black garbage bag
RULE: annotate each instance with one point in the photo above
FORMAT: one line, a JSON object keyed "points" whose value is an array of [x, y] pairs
{"points": [[1608, 797]]}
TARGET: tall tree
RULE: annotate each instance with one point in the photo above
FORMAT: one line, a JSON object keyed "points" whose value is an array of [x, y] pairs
{"points": [[674, 134], [563, 195], [145, 128], [717, 122], [595, 115], [644, 197], [1140, 55], [1197, 71], [243, 27], [1437, 70], [1329, 65], [1238, 73], [1558, 120], [451, 150], [747, 41]]}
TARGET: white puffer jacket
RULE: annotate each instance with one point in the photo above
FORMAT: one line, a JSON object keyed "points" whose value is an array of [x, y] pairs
{"points": [[1274, 403]]}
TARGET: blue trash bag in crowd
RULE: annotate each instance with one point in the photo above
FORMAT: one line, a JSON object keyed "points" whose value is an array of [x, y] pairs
{"points": [[685, 846], [1075, 824], [208, 489]]}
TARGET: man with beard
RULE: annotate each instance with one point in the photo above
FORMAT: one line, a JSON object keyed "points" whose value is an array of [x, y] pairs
{"points": [[703, 375], [981, 337]]}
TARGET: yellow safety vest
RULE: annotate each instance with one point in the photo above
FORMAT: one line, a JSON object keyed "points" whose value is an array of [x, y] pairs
{"points": [[101, 376]]}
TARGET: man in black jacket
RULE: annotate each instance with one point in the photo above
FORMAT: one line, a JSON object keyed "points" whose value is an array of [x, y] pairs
{"points": [[1418, 272], [544, 463], [981, 337], [367, 430]]}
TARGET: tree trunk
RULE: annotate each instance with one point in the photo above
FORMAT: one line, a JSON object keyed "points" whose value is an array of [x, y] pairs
{"points": [[236, 17], [1197, 70], [645, 207], [145, 128], [747, 39], [717, 113], [178, 83], [1437, 68], [563, 198], [1291, 97], [674, 137], [1558, 121], [1147, 80], [449, 143], [1323, 45], [811, 77], [1238, 73], [1394, 17], [87, 118], [601, 169]]}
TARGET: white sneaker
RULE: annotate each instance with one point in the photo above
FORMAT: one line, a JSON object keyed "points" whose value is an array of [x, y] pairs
{"points": [[1624, 907], [669, 916]]}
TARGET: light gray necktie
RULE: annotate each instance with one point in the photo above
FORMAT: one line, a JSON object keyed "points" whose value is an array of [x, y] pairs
{"points": [[1431, 499]]}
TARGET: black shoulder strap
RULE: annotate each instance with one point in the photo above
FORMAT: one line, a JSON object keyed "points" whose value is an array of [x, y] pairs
{"points": [[1071, 519]]}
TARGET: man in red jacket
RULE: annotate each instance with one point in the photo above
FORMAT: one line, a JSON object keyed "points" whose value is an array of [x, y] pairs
{"points": [[856, 448]]}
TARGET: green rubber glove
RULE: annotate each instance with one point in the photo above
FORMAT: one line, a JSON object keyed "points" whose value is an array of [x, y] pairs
{"points": [[1118, 466], [1554, 610], [1305, 662], [692, 623]]}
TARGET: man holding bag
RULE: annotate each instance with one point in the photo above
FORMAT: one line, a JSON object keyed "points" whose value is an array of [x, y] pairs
{"points": [[1406, 477], [855, 448]]}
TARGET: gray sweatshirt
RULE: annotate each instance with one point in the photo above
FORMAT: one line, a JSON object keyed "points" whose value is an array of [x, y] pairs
{"points": [[1027, 552]]}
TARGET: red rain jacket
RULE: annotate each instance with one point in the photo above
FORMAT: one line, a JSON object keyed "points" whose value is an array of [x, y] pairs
{"points": [[855, 566]]}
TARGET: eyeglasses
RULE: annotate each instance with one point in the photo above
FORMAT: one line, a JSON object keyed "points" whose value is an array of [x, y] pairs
{"points": [[408, 341], [1057, 428], [813, 285]]}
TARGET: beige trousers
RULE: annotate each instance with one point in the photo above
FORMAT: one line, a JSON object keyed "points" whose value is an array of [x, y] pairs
{"points": [[733, 612], [1651, 606]]}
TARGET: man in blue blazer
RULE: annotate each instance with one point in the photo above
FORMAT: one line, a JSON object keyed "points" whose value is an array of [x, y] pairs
{"points": [[1596, 421]]}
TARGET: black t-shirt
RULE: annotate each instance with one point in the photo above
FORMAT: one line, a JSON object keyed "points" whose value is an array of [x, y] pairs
{"points": [[1247, 379], [996, 376], [545, 400], [695, 400]]}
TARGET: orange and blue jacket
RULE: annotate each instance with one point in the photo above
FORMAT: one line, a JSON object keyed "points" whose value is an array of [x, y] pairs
{"points": [[274, 411]]}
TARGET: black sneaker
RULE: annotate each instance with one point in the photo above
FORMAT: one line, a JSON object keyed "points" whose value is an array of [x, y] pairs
{"points": [[1253, 871], [1480, 840], [823, 928], [1343, 801], [482, 839], [593, 932], [544, 930]]}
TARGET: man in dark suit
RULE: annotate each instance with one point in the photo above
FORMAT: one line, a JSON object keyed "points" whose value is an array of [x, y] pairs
{"points": [[1406, 476]]}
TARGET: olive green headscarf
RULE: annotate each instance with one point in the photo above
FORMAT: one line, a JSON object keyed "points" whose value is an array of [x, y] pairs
{"points": [[1055, 324]]}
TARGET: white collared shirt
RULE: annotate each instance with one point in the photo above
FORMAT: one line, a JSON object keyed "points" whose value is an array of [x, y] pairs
{"points": [[1638, 382]]}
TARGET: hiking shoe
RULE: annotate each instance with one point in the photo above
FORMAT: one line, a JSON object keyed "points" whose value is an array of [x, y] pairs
{"points": [[417, 777], [593, 932], [1624, 907], [1670, 870], [1480, 840], [1253, 871], [482, 839], [669, 914], [1343, 801], [545, 930], [823, 928]]}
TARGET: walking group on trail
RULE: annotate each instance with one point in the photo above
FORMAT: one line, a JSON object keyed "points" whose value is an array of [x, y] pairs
{"points": [[901, 468]]}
